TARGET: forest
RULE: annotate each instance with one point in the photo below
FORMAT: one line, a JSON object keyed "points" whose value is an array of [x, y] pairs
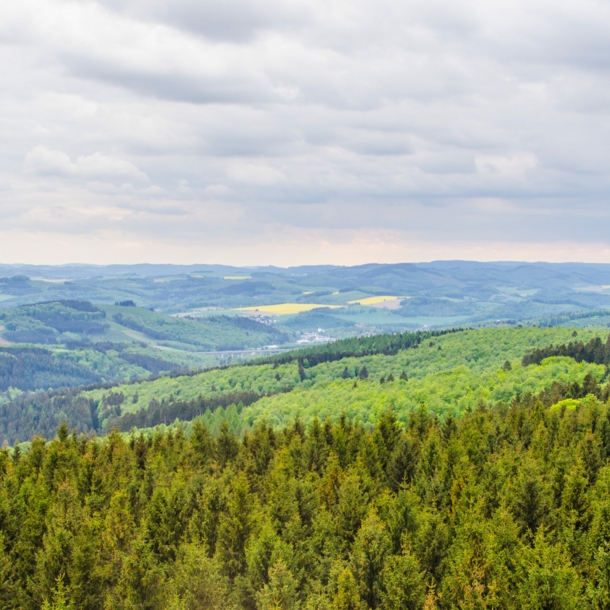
{"points": [[431, 470], [448, 371], [362, 375], [507, 506]]}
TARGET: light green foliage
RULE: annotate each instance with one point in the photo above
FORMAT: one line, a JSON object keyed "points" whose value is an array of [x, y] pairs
{"points": [[403, 583], [467, 367], [444, 392], [280, 593], [348, 596], [197, 583]]}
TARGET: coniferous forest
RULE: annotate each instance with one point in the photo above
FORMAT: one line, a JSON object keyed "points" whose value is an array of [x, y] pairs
{"points": [[465, 469], [506, 507]]}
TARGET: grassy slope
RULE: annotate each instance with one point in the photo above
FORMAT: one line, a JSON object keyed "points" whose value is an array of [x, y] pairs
{"points": [[468, 359], [204, 333]]}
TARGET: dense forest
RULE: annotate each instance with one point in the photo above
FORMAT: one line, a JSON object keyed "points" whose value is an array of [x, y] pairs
{"points": [[506, 507], [447, 371], [594, 351], [355, 347], [30, 368], [431, 470]]}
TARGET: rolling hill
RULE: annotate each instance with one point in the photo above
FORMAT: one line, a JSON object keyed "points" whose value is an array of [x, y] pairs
{"points": [[448, 371], [427, 470], [434, 295]]}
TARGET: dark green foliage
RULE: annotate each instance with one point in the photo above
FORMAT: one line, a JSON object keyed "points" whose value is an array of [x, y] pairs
{"points": [[167, 412], [30, 368], [41, 413], [387, 344], [150, 363], [594, 351], [42, 322], [506, 507]]}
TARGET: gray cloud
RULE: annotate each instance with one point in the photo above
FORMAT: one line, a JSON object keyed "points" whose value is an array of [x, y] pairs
{"points": [[232, 20], [188, 129]]}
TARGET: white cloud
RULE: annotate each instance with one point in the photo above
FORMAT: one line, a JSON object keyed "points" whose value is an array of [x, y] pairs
{"points": [[259, 175], [430, 120], [41, 160], [511, 166]]}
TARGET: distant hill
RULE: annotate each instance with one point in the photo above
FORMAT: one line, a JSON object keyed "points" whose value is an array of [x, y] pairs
{"points": [[447, 292], [71, 342]]}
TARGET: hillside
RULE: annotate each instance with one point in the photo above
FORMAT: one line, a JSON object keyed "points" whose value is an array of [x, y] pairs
{"points": [[72, 321], [70, 343], [449, 372], [505, 506], [366, 298]]}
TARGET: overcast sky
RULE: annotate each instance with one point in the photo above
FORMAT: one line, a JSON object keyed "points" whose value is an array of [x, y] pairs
{"points": [[290, 131]]}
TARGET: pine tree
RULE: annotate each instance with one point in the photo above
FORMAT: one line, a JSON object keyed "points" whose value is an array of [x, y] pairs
{"points": [[403, 583], [281, 591], [348, 595], [370, 550], [227, 445], [234, 528], [301, 370]]}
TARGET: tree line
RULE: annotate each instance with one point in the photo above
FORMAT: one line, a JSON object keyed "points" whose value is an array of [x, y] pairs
{"points": [[594, 351], [31, 368], [355, 347], [167, 411]]}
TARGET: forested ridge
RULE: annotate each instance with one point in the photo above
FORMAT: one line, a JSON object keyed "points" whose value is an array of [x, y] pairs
{"points": [[30, 368], [354, 347], [506, 507], [448, 371]]}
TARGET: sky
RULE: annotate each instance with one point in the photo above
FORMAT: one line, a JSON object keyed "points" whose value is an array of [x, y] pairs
{"points": [[287, 132]]}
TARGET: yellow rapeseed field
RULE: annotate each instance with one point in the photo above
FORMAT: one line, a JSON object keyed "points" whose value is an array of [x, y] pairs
{"points": [[284, 309], [374, 300]]}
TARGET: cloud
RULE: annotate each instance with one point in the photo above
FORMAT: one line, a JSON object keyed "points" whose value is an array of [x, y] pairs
{"points": [[182, 122], [259, 175], [41, 160], [233, 20], [513, 165]]}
